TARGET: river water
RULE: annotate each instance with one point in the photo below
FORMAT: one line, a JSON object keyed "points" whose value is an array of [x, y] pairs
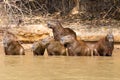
{"points": [[31, 67]]}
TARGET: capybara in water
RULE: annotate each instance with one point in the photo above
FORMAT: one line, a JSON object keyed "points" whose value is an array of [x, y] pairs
{"points": [[105, 46], [11, 46], [59, 31], [75, 47], [54, 47], [38, 47]]}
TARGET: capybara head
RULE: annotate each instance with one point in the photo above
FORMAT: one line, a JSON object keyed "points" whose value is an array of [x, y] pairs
{"points": [[110, 40], [7, 38], [53, 23], [6, 41]]}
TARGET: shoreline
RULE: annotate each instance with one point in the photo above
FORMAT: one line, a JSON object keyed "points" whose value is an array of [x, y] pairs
{"points": [[30, 33]]}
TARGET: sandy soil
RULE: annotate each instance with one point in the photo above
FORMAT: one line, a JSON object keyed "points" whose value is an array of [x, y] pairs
{"points": [[31, 33], [35, 27]]}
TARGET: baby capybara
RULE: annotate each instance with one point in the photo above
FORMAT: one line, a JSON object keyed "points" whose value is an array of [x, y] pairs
{"points": [[75, 47], [11, 46], [59, 31], [105, 46]]}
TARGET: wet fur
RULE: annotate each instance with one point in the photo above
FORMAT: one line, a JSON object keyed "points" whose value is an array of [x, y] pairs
{"points": [[56, 48], [103, 47], [11, 45], [59, 31], [39, 46], [75, 47], [14, 48]]}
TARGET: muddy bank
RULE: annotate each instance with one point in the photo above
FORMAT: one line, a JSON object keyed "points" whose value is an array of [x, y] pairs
{"points": [[31, 33]]}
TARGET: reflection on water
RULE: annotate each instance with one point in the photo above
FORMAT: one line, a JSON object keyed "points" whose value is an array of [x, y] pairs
{"points": [[31, 67]]}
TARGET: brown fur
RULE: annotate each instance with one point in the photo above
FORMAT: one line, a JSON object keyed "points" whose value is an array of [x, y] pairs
{"points": [[11, 45], [14, 48], [75, 47], [56, 48], [38, 47], [105, 46], [53, 47], [59, 31]]}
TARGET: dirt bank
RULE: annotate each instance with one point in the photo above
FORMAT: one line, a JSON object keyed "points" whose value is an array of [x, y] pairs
{"points": [[31, 33], [35, 28]]}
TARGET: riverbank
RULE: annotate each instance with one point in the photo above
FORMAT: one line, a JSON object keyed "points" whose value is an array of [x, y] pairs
{"points": [[35, 28], [31, 33]]}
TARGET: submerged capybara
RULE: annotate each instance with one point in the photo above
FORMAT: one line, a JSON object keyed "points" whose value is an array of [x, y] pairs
{"points": [[38, 47], [11, 45], [75, 47], [59, 31], [54, 47], [105, 46]]}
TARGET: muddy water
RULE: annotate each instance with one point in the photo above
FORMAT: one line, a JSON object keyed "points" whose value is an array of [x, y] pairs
{"points": [[31, 67]]}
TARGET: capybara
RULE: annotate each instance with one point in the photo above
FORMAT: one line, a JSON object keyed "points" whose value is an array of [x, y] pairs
{"points": [[105, 46], [59, 31], [54, 47], [11, 46], [1, 0], [38, 47], [75, 47]]}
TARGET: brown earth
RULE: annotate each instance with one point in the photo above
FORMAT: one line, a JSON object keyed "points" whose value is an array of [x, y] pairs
{"points": [[33, 29], [31, 33]]}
